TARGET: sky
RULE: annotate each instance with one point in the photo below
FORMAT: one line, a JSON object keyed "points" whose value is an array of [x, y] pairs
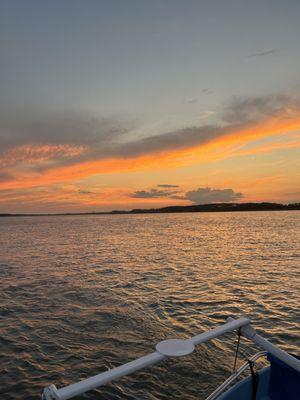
{"points": [[121, 104]]}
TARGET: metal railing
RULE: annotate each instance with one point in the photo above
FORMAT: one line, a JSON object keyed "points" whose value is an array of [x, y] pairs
{"points": [[235, 375], [165, 349]]}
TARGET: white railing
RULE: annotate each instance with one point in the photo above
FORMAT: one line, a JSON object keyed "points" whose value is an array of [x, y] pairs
{"points": [[164, 349]]}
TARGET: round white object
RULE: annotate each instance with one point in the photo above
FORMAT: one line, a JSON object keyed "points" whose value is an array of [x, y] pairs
{"points": [[175, 347]]}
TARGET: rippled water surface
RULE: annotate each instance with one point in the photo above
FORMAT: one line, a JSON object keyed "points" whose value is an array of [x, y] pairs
{"points": [[81, 294]]}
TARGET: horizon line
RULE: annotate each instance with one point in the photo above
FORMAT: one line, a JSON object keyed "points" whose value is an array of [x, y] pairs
{"points": [[210, 207]]}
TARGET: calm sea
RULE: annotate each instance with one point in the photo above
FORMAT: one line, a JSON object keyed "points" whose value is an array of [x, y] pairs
{"points": [[81, 294]]}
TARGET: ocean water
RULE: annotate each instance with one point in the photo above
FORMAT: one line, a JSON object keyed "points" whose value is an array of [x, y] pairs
{"points": [[81, 294]]}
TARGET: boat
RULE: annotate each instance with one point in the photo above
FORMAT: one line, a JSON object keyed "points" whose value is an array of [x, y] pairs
{"points": [[280, 380]]}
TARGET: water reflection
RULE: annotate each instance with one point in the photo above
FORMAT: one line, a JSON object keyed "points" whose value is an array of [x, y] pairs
{"points": [[83, 294]]}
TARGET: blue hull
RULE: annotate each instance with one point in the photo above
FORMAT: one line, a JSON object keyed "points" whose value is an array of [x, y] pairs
{"points": [[277, 382], [243, 389]]}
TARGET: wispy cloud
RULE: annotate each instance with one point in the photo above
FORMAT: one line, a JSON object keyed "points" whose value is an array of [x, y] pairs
{"points": [[151, 194], [206, 114], [165, 185], [39, 154], [207, 91], [264, 53], [85, 192], [255, 109], [192, 101]]}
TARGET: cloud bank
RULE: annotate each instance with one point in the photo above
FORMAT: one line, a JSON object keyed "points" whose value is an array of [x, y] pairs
{"points": [[74, 146], [209, 195], [203, 195]]}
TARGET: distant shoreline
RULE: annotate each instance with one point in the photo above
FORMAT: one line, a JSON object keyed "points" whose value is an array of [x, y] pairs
{"points": [[215, 207]]}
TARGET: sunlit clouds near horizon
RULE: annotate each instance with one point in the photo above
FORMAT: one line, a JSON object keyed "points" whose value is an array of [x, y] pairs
{"points": [[116, 106]]}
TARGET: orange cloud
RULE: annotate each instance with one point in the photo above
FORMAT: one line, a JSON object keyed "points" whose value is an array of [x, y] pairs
{"points": [[38, 154], [219, 148]]}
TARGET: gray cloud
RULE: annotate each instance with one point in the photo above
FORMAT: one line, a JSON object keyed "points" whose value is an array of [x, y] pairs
{"points": [[4, 176], [208, 195], [180, 139], [100, 138], [85, 192], [165, 185], [255, 109], [151, 194], [198, 196], [56, 140], [103, 138], [75, 129], [264, 53]]}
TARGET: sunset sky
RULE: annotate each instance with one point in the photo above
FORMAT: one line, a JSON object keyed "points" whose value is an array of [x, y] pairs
{"points": [[110, 104]]}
